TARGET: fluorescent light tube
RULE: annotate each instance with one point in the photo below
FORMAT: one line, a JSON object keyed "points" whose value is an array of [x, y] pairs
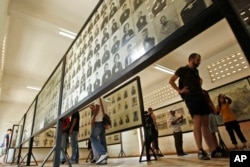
{"points": [[67, 34], [33, 88], [164, 69]]}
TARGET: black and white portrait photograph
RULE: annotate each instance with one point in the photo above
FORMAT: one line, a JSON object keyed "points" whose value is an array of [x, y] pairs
{"points": [[116, 44], [117, 65], [105, 35], [128, 32], [141, 19], [107, 73], [158, 6], [114, 25], [125, 12], [97, 81], [167, 22], [105, 54]]}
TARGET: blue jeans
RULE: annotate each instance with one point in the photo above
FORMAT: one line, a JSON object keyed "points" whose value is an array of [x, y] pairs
{"points": [[64, 145], [74, 146], [98, 138]]}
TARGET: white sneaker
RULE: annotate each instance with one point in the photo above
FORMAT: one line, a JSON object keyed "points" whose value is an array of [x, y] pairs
{"points": [[102, 157]]}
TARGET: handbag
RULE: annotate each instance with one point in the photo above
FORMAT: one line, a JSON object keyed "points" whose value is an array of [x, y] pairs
{"points": [[106, 118]]}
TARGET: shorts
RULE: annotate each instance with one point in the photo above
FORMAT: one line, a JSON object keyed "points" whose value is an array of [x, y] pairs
{"points": [[197, 105]]}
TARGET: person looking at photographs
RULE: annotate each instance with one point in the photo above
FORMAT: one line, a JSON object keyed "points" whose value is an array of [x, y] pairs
{"points": [[154, 129], [5, 145], [106, 54], [167, 26], [98, 135], [148, 42], [190, 90], [158, 6], [117, 64], [107, 73], [73, 133], [230, 121], [116, 45], [141, 22], [65, 138], [128, 34], [125, 13], [175, 123]]}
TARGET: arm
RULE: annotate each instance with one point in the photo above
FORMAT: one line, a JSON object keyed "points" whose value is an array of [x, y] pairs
{"points": [[154, 121], [177, 121], [173, 84], [72, 125]]}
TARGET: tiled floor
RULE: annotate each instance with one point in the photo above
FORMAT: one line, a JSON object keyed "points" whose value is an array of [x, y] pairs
{"points": [[190, 160]]}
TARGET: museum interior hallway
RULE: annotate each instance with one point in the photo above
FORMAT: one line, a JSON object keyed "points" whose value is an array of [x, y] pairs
{"points": [[190, 160]]}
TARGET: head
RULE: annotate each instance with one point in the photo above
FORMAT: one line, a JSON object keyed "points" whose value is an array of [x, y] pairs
{"points": [[194, 60], [150, 110], [163, 20], [172, 112], [9, 131]]}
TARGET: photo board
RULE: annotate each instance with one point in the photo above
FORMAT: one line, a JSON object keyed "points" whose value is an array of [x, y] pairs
{"points": [[48, 101]]}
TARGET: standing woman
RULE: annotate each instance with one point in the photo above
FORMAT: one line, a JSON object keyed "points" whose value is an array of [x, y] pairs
{"points": [[230, 121]]}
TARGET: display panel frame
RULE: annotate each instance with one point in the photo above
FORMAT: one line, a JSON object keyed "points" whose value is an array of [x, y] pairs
{"points": [[48, 101], [129, 96]]}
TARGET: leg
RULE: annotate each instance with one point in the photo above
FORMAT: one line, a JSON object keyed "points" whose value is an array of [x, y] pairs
{"points": [[206, 133], [178, 143], [74, 147], [229, 128], [197, 131], [239, 133], [63, 146]]}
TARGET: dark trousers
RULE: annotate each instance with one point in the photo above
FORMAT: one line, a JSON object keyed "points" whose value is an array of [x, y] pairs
{"points": [[231, 127], [178, 142]]}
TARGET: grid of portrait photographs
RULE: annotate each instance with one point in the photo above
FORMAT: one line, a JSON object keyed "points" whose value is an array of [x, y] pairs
{"points": [[85, 124], [113, 139], [162, 118], [124, 108], [28, 122], [118, 33], [45, 139], [48, 101]]}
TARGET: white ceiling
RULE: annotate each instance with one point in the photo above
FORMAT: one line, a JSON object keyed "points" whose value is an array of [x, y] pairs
{"points": [[34, 47]]}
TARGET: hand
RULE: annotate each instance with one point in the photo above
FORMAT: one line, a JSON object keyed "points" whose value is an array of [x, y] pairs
{"points": [[184, 90]]}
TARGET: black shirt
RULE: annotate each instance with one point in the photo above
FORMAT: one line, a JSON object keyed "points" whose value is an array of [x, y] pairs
{"points": [[76, 116], [189, 78]]}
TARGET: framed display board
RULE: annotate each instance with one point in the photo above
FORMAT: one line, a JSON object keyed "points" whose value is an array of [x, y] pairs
{"points": [[239, 92], [162, 118], [125, 106], [48, 101], [29, 118], [14, 136], [19, 132], [113, 139], [45, 139], [116, 35]]}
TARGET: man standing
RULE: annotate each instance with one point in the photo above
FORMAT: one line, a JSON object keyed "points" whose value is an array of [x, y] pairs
{"points": [[5, 145], [73, 132], [65, 138], [191, 91], [175, 123], [98, 135]]}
